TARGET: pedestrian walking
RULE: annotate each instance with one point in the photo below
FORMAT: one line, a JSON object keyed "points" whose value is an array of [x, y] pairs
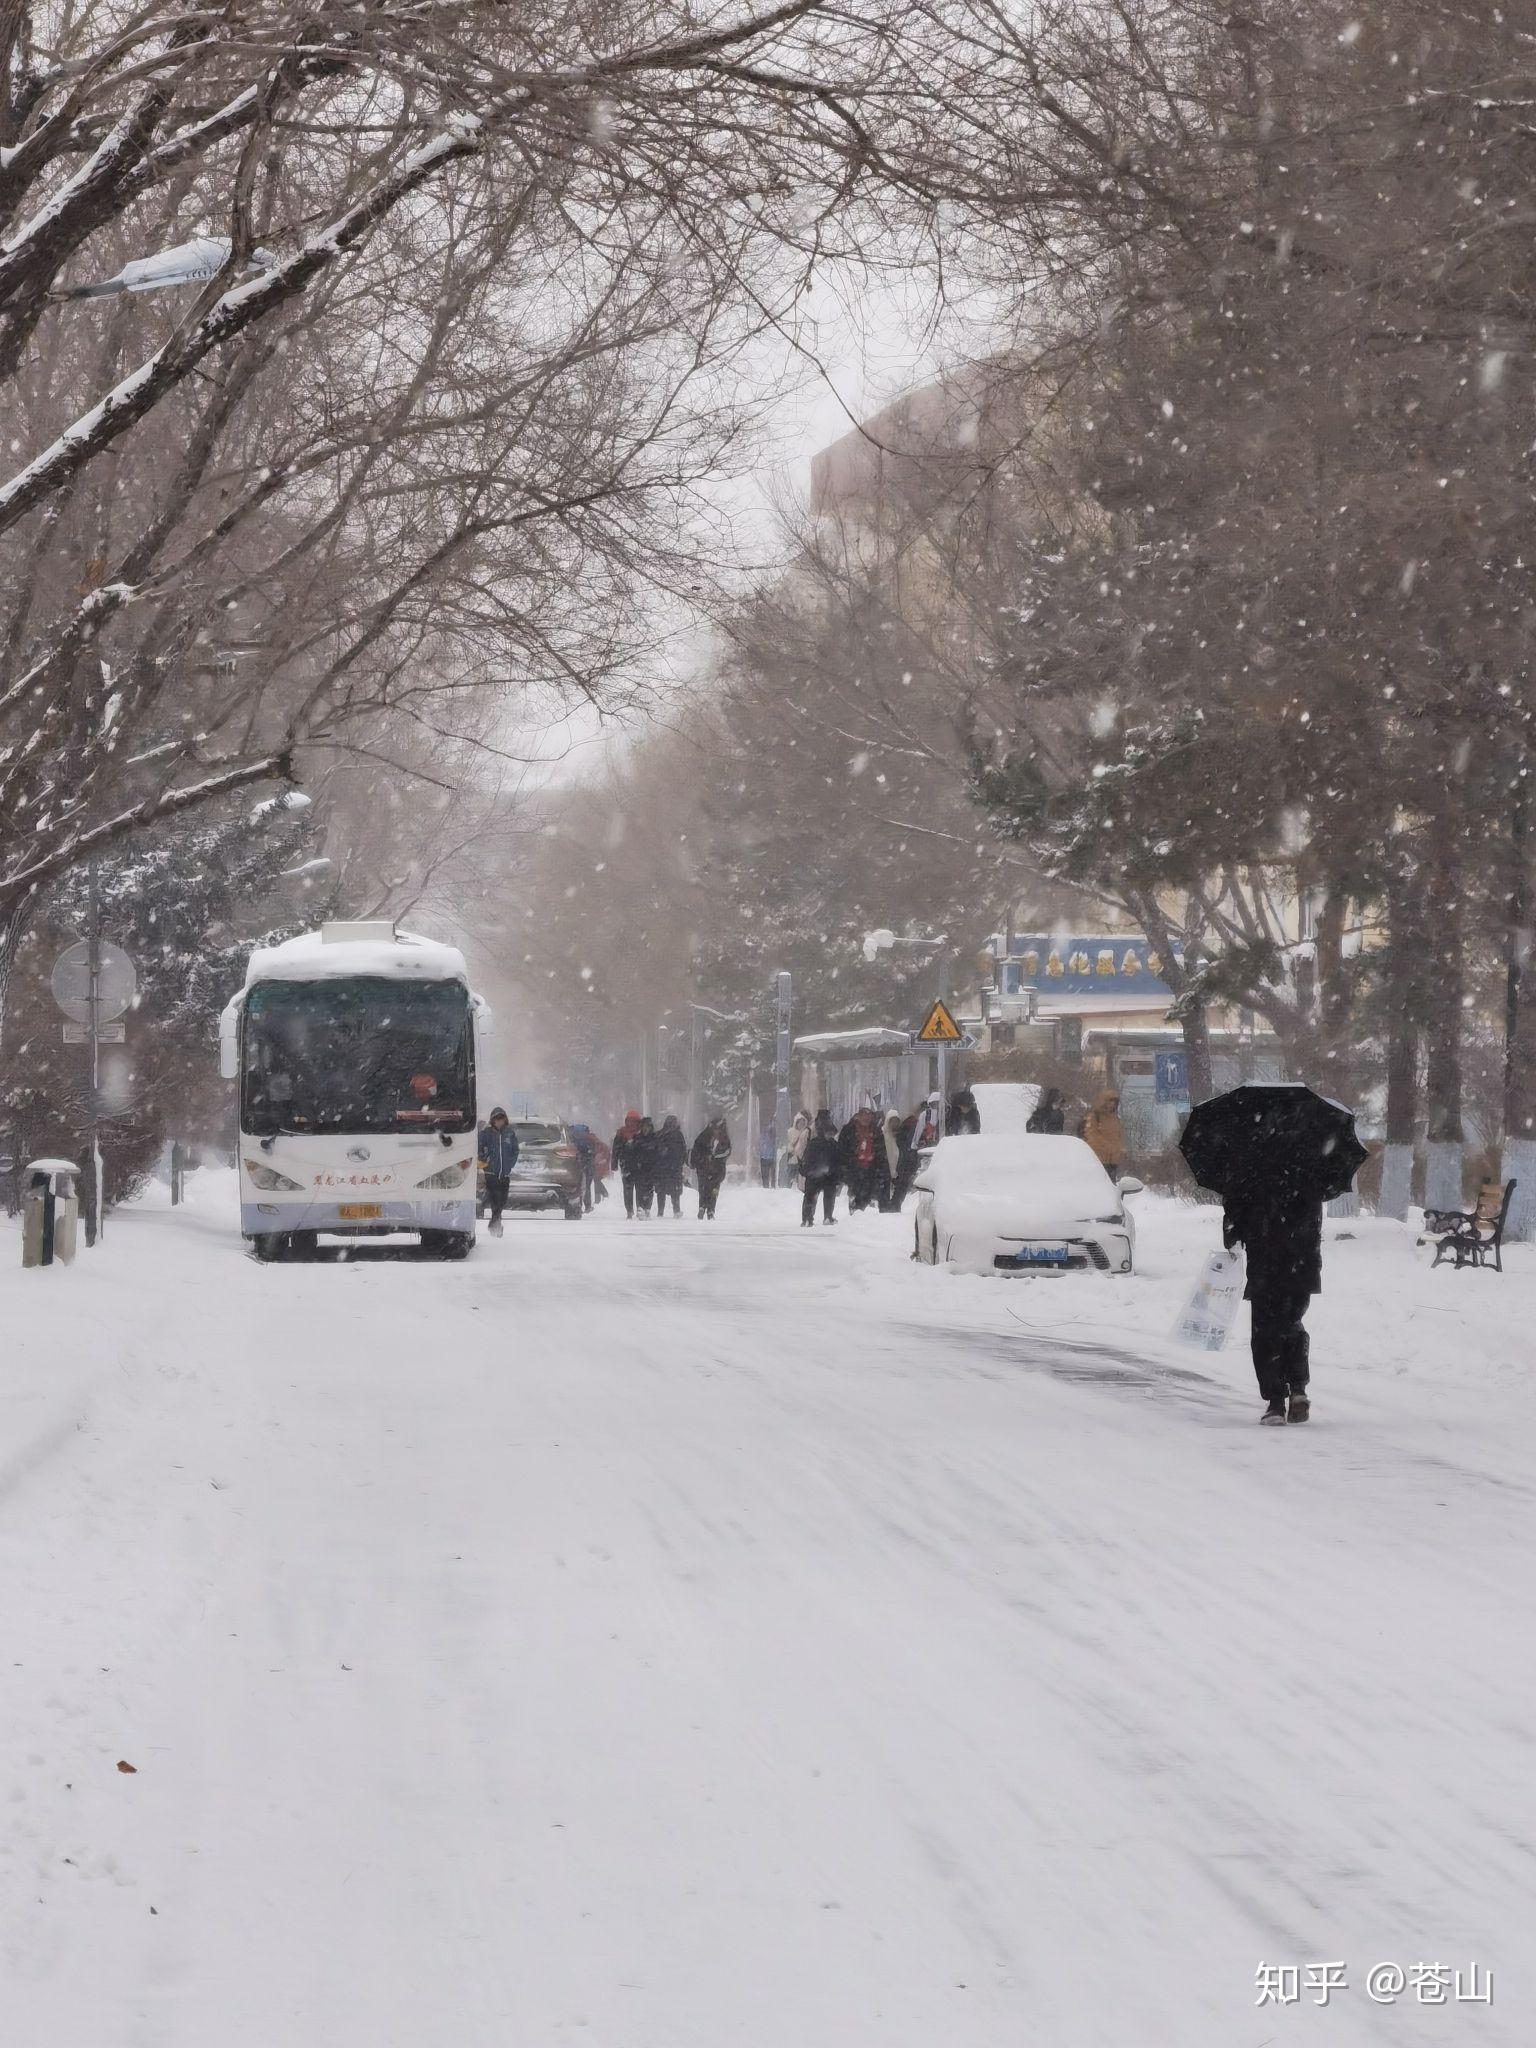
{"points": [[711, 1150], [602, 1166], [1282, 1234], [962, 1118], [1275, 1151], [819, 1165], [622, 1153], [1049, 1115], [861, 1144], [794, 1149], [497, 1151], [586, 1154], [768, 1154], [671, 1160], [643, 1152], [1102, 1131]]}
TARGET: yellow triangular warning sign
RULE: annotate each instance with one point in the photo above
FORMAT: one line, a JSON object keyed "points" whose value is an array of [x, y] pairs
{"points": [[939, 1028]]}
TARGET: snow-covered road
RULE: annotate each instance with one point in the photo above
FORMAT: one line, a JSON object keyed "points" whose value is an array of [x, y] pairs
{"points": [[735, 1637]]}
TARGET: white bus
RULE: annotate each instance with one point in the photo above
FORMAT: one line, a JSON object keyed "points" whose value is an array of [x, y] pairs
{"points": [[354, 1047]]}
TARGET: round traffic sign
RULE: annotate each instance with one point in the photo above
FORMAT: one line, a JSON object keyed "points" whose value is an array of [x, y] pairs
{"points": [[117, 983]]}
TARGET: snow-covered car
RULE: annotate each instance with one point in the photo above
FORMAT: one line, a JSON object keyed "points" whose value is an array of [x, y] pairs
{"points": [[1005, 1107], [1004, 1204], [548, 1170]]}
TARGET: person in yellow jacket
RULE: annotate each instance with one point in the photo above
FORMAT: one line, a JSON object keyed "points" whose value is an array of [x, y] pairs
{"points": [[1102, 1130]]}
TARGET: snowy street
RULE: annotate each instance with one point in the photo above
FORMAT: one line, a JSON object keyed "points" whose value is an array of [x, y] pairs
{"points": [[677, 1636]]}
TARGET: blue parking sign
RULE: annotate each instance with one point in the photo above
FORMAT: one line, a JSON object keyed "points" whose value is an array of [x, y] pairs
{"points": [[1172, 1069]]}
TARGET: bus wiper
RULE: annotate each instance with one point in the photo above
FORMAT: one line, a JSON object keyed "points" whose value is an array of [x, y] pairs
{"points": [[282, 1131]]}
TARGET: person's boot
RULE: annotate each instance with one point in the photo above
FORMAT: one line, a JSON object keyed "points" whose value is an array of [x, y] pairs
{"points": [[495, 1226], [1274, 1413], [1300, 1409]]}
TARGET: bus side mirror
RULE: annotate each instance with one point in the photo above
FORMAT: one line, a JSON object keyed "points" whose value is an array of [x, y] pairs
{"points": [[229, 1043]]}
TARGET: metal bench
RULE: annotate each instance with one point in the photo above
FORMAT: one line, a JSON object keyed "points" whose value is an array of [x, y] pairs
{"points": [[1473, 1236]]}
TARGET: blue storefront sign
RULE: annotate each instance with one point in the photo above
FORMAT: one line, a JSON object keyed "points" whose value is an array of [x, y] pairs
{"points": [[1093, 965], [1172, 1077]]}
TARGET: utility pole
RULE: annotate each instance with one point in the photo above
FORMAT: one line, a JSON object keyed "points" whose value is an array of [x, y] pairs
{"points": [[695, 1069], [96, 1226], [784, 988], [941, 992]]}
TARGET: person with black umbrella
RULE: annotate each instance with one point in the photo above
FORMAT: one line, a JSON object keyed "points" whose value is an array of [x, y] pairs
{"points": [[1275, 1152], [1282, 1235]]}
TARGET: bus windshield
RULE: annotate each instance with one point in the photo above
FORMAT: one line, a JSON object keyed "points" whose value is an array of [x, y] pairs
{"points": [[362, 1053]]}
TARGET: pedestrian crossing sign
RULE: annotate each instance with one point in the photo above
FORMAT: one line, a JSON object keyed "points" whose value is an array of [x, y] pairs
{"points": [[939, 1028]]}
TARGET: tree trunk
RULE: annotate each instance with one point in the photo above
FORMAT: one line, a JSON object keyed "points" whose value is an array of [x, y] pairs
{"points": [[1402, 1117], [13, 929], [1195, 1024], [1335, 1038], [1445, 976], [1518, 1162], [1403, 963]]}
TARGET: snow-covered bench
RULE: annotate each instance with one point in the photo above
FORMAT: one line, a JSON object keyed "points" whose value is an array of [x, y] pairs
{"points": [[1472, 1236]]}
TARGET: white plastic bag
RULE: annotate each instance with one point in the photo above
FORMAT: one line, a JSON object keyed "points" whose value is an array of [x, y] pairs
{"points": [[1206, 1319]]}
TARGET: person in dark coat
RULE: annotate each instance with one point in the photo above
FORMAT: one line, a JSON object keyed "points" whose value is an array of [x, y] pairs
{"points": [[711, 1150], [861, 1145], [1049, 1114], [962, 1118], [642, 1152], [623, 1158], [819, 1166], [586, 1153], [497, 1151], [671, 1158], [908, 1158], [1281, 1232]]}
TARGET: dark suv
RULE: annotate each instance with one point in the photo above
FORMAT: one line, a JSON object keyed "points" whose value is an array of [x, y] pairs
{"points": [[548, 1170]]}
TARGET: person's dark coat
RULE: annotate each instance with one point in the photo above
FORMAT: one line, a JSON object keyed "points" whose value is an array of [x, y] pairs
{"points": [[821, 1160], [642, 1155], [671, 1152], [1049, 1116], [909, 1159], [1282, 1235], [962, 1118], [621, 1157], [711, 1150], [498, 1149]]}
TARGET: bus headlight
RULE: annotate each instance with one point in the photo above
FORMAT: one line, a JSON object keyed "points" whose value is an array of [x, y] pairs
{"points": [[451, 1176], [269, 1180]]}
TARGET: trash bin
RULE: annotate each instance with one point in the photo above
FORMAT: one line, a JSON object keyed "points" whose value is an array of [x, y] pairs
{"points": [[50, 1212]]}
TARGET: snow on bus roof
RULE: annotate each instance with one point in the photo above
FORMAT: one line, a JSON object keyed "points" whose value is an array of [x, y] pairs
{"points": [[314, 957]]}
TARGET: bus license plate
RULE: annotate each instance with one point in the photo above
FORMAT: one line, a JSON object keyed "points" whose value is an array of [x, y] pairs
{"points": [[359, 1212]]}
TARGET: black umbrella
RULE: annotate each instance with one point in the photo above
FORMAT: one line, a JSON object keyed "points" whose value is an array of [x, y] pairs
{"points": [[1272, 1139]]}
